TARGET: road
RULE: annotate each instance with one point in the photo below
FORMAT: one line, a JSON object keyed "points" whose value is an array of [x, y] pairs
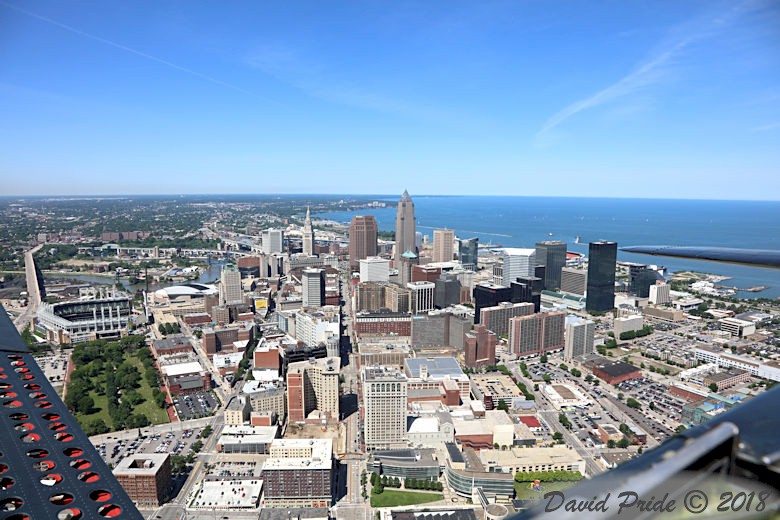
{"points": [[550, 416], [33, 290]]}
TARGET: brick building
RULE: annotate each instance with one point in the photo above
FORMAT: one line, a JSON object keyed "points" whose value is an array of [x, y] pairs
{"points": [[146, 477]]}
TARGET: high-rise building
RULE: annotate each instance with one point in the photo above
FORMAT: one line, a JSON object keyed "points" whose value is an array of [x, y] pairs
{"points": [[313, 281], [298, 473], [384, 404], [374, 269], [489, 295], [145, 477], [230, 285], [447, 291], [551, 254], [308, 235], [579, 338], [640, 278], [516, 262], [480, 347], [537, 334], [362, 238], [574, 281], [397, 298], [425, 273], [272, 240], [405, 264], [497, 318], [369, 296], [405, 227], [659, 293], [313, 385], [602, 260], [421, 296], [442, 244], [468, 252], [528, 289]]}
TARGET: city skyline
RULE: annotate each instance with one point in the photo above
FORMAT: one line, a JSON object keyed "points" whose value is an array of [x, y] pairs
{"points": [[156, 99]]}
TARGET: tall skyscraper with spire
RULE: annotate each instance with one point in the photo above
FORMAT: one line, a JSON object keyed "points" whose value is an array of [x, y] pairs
{"points": [[308, 234], [405, 227]]}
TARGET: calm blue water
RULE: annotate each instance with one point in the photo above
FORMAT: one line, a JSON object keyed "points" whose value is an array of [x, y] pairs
{"points": [[522, 221]]}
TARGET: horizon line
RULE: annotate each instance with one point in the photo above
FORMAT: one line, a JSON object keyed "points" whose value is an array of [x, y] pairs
{"points": [[366, 195]]}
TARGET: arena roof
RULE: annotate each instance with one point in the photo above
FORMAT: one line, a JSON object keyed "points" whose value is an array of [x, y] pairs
{"points": [[187, 289]]}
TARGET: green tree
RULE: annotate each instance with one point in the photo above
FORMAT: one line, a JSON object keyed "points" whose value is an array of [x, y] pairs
{"points": [[558, 436], [502, 406], [633, 403], [96, 427], [620, 396], [85, 404], [543, 358], [713, 387], [206, 431], [611, 443]]}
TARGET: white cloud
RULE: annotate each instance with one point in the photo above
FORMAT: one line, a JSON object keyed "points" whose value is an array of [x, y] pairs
{"points": [[653, 71]]}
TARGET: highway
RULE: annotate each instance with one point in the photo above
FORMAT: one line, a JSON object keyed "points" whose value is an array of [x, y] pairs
{"points": [[33, 290]]}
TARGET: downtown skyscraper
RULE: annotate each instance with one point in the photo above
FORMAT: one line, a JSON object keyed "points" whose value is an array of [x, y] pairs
{"points": [[602, 259], [308, 235], [405, 228], [551, 254], [362, 238]]}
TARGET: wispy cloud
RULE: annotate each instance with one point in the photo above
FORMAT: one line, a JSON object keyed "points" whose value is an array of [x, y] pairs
{"points": [[766, 128], [125, 48], [652, 72], [316, 80]]}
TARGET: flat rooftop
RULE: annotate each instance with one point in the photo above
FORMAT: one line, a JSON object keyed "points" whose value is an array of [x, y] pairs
{"points": [[383, 373], [232, 434], [172, 342], [141, 464], [497, 385], [493, 419], [616, 368], [320, 450], [564, 392], [228, 494], [437, 368], [192, 367], [530, 456]]}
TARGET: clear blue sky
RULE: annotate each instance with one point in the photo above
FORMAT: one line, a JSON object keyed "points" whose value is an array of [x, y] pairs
{"points": [[642, 98]]}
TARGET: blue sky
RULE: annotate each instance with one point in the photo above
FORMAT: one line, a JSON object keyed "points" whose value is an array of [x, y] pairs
{"points": [[639, 99]]}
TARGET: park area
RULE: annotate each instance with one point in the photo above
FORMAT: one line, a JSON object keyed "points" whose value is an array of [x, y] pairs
{"points": [[525, 491], [391, 498], [114, 386]]}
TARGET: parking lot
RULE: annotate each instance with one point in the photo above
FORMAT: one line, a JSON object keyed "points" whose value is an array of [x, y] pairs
{"points": [[53, 366], [193, 406], [174, 442]]}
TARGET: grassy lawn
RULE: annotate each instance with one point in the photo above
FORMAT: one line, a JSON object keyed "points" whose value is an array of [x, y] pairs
{"points": [[147, 408], [391, 497], [155, 414], [524, 491], [102, 410]]}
